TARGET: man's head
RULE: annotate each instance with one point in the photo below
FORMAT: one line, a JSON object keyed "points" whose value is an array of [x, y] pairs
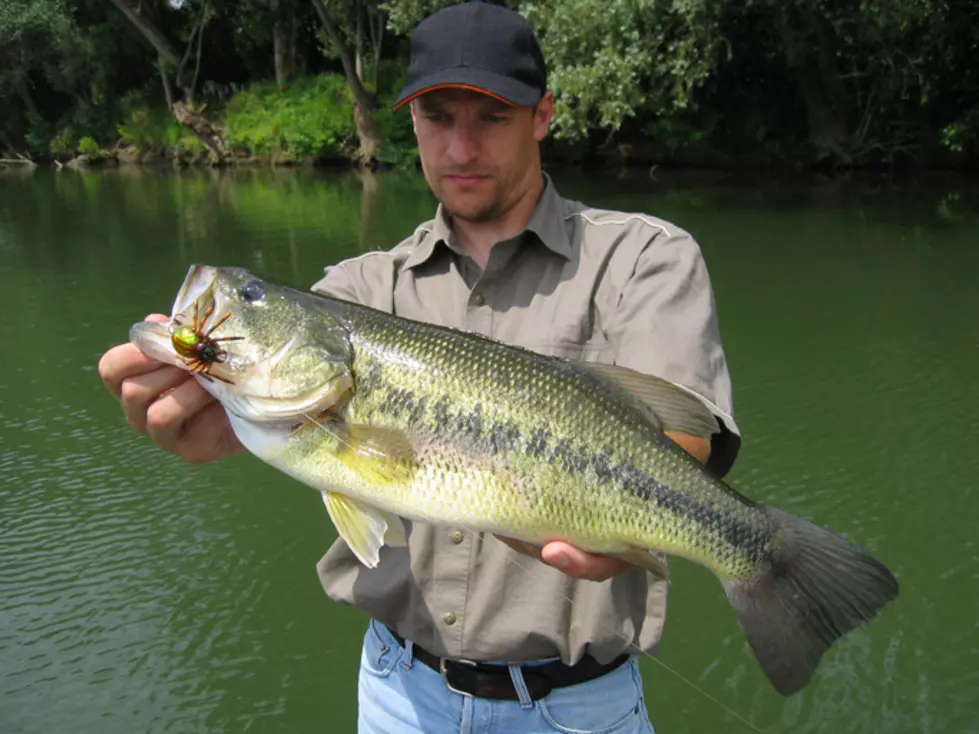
{"points": [[477, 86]]}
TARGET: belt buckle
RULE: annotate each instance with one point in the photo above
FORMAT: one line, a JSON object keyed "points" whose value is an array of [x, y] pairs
{"points": [[443, 669]]}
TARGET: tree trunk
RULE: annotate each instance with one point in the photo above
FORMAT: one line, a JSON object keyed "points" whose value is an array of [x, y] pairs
{"points": [[367, 130], [210, 134], [292, 61], [369, 209], [369, 135], [376, 22], [279, 52], [167, 88], [24, 92], [827, 132], [149, 31], [359, 42]]}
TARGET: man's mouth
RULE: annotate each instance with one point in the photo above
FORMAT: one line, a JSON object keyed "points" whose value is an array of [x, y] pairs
{"points": [[466, 179]]}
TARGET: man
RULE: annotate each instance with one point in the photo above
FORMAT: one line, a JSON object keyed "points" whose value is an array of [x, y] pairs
{"points": [[506, 256]]}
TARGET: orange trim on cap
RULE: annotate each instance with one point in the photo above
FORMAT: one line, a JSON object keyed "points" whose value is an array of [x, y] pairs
{"points": [[454, 86]]}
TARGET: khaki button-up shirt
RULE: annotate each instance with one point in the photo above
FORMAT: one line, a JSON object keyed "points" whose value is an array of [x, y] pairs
{"points": [[582, 283]]}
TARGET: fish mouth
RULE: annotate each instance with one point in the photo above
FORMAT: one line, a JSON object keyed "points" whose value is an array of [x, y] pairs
{"points": [[159, 341], [154, 340], [198, 282]]}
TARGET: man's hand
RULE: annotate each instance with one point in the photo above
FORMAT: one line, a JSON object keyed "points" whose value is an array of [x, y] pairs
{"points": [[166, 404], [571, 560], [590, 566]]}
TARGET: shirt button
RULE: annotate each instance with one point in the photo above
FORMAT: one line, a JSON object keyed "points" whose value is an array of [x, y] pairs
{"points": [[457, 536], [478, 299], [449, 618]]}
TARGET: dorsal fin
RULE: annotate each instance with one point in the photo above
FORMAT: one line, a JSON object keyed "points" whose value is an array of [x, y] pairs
{"points": [[674, 407]]}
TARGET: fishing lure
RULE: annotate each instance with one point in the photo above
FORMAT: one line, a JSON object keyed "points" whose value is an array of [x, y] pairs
{"points": [[197, 348]]}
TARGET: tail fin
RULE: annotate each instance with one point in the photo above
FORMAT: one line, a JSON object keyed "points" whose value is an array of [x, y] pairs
{"points": [[817, 588]]}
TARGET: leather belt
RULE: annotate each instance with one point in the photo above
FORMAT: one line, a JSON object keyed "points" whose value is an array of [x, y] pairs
{"points": [[481, 680]]}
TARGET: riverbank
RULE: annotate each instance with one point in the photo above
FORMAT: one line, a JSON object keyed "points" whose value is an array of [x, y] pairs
{"points": [[310, 124]]}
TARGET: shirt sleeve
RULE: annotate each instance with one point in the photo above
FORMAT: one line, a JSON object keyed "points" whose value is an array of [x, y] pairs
{"points": [[337, 282], [666, 325], [368, 280]]}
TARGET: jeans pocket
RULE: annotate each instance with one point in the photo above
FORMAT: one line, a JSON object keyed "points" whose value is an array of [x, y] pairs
{"points": [[381, 651], [612, 703]]}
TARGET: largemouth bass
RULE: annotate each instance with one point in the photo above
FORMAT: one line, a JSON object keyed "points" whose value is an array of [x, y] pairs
{"points": [[391, 418]]}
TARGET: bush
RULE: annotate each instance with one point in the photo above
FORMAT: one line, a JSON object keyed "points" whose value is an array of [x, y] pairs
{"points": [[312, 117], [88, 146], [145, 128]]}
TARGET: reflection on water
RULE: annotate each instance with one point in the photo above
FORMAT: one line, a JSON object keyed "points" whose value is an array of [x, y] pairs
{"points": [[138, 593]]}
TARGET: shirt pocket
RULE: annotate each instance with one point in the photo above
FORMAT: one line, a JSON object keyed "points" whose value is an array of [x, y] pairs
{"points": [[565, 327]]}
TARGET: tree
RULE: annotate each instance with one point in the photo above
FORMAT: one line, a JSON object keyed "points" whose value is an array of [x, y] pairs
{"points": [[170, 61], [365, 101]]}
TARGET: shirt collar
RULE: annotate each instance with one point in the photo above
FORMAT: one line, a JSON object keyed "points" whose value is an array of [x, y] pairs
{"points": [[547, 223]]}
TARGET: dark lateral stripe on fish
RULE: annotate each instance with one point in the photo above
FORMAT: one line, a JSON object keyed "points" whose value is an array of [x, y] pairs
{"points": [[503, 436]]}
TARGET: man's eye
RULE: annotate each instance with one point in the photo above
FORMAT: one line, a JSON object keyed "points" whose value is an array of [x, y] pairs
{"points": [[496, 118], [435, 117]]}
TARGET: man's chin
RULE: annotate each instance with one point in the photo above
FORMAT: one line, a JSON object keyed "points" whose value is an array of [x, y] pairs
{"points": [[472, 215], [475, 212]]}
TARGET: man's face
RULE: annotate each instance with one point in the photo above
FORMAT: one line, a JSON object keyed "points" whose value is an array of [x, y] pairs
{"points": [[479, 155]]}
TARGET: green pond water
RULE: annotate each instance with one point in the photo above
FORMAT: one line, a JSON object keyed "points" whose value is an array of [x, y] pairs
{"points": [[142, 594]]}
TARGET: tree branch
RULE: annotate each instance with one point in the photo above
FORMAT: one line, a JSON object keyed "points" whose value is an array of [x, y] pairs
{"points": [[361, 96], [150, 33]]}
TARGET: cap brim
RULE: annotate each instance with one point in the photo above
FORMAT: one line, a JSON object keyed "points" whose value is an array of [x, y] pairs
{"points": [[503, 88]]}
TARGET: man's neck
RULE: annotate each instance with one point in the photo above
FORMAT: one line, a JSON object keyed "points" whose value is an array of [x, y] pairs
{"points": [[477, 238]]}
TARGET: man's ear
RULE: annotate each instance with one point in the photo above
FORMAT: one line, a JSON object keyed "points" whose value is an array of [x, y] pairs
{"points": [[543, 114]]}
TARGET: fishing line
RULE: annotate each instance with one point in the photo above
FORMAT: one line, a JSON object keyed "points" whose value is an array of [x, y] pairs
{"points": [[655, 659], [336, 436]]}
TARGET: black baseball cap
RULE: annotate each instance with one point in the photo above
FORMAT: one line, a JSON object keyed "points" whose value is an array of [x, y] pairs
{"points": [[479, 46]]}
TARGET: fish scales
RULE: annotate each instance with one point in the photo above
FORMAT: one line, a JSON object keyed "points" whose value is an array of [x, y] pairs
{"points": [[584, 474]]}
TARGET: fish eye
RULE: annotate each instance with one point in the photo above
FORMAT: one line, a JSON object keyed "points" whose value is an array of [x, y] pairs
{"points": [[252, 291]]}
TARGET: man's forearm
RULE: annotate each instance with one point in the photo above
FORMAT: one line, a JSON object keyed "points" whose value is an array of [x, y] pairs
{"points": [[696, 446]]}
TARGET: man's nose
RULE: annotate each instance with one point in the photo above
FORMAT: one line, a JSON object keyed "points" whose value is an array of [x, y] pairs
{"points": [[463, 144]]}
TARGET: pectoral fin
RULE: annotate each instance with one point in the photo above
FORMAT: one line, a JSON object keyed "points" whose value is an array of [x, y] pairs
{"points": [[652, 562], [675, 407], [365, 529], [378, 455]]}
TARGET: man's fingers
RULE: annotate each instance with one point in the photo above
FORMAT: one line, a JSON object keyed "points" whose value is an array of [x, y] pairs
{"points": [[122, 362], [166, 417], [137, 393], [520, 546], [208, 436], [581, 564], [126, 360]]}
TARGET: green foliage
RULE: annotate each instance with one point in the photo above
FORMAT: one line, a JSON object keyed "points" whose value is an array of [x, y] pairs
{"points": [[838, 84], [612, 60], [61, 145], [154, 130], [87, 146], [398, 145], [962, 136], [145, 129], [313, 116]]}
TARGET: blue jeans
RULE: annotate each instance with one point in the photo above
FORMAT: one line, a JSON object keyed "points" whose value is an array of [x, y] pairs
{"points": [[398, 694]]}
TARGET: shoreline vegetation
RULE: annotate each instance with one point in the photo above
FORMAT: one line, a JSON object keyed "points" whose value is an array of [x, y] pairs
{"points": [[801, 85]]}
